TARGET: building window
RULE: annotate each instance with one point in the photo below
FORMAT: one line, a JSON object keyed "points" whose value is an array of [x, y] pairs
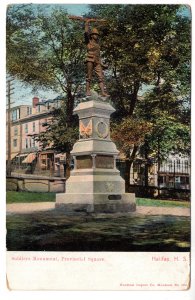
{"points": [[44, 162], [185, 180], [26, 128], [15, 130], [177, 179], [26, 143], [161, 179], [15, 114], [178, 164], [170, 164], [33, 126], [186, 166], [15, 142], [171, 181], [47, 161], [30, 143], [33, 143]]}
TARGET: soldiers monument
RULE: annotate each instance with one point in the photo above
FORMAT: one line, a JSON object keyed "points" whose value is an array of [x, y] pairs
{"points": [[95, 184]]}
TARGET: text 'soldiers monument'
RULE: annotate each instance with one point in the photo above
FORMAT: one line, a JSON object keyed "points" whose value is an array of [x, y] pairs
{"points": [[95, 184]]}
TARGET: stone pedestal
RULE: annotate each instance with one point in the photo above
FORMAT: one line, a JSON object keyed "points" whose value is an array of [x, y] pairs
{"points": [[95, 185]]}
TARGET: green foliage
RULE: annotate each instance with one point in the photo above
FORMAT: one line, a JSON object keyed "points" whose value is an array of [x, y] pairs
{"points": [[44, 50], [129, 133], [169, 136], [168, 113], [59, 134], [143, 44], [148, 46], [47, 51]]}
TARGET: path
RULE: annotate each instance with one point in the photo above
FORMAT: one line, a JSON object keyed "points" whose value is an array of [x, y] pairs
{"points": [[153, 210], [22, 208]]}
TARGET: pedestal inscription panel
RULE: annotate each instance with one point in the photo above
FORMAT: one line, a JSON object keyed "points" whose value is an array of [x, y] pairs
{"points": [[84, 162], [104, 162]]}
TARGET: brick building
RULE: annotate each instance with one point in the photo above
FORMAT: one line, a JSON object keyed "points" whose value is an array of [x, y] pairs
{"points": [[27, 121], [174, 172]]}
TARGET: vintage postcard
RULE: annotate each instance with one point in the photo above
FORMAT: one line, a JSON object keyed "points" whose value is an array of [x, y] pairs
{"points": [[98, 159]]}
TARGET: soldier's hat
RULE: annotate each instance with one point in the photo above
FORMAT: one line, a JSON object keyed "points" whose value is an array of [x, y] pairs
{"points": [[94, 31]]}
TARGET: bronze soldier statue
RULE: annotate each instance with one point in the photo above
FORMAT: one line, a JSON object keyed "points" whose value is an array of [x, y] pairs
{"points": [[93, 60]]}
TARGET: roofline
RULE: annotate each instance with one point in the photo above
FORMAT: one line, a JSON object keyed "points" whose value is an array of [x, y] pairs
{"points": [[31, 118], [18, 106]]}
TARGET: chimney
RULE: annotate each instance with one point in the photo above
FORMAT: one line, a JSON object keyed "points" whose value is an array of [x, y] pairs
{"points": [[35, 101]]}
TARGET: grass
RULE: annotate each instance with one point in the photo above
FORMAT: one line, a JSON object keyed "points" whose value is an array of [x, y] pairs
{"points": [[28, 197], [162, 203], [55, 231]]}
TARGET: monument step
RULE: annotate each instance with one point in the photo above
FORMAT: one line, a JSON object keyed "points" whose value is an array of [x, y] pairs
{"points": [[96, 202]]}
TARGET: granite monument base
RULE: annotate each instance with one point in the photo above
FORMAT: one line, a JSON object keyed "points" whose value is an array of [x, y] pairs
{"points": [[95, 184], [96, 190], [96, 202]]}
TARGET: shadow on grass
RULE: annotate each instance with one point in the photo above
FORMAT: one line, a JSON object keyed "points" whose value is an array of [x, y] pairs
{"points": [[54, 231]]}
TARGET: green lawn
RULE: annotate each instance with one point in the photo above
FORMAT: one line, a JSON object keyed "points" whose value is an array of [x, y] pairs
{"points": [[165, 203], [22, 197], [28, 197]]}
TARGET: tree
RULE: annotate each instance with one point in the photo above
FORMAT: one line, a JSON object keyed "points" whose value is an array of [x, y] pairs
{"points": [[143, 44], [148, 48], [129, 139], [58, 135], [47, 51], [170, 124], [170, 134]]}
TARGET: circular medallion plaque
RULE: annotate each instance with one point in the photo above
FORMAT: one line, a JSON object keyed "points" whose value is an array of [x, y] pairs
{"points": [[102, 129]]}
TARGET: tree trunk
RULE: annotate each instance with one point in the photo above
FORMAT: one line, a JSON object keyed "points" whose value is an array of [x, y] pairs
{"points": [[134, 97], [69, 106], [69, 119], [146, 175], [127, 174], [133, 103], [128, 165], [68, 165], [146, 168]]}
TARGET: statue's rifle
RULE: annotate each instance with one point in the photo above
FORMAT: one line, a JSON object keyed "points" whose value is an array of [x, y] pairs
{"points": [[77, 18]]}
